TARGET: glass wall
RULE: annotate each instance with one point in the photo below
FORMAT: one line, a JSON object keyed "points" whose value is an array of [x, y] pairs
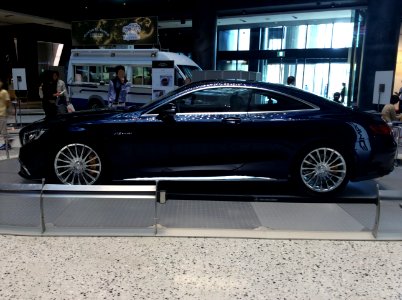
{"points": [[339, 73], [304, 48], [331, 35], [319, 36], [295, 37], [320, 76], [342, 35], [314, 72], [234, 39], [316, 76], [232, 65], [284, 37]]}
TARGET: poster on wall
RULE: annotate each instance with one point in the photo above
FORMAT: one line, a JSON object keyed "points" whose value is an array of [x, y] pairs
{"points": [[162, 77], [19, 79], [129, 31], [382, 87]]}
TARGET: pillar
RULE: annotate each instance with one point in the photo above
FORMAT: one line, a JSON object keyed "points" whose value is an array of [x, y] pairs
{"points": [[255, 36], [380, 46], [205, 34]]}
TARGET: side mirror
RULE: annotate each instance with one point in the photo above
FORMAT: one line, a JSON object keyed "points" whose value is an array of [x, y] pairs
{"points": [[167, 115]]}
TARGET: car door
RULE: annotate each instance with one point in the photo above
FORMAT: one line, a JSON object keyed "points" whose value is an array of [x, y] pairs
{"points": [[279, 126], [135, 145], [207, 132]]}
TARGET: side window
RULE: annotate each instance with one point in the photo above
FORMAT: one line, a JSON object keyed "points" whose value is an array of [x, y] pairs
{"points": [[265, 101], [81, 74], [178, 79], [214, 100], [107, 73], [142, 75], [95, 74]]}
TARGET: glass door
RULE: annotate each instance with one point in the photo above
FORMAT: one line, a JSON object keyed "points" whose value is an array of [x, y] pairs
{"points": [[316, 73]]}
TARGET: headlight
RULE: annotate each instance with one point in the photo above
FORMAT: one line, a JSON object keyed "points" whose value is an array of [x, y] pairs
{"points": [[32, 135]]}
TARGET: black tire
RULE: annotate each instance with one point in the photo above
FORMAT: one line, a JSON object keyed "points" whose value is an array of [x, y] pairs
{"points": [[95, 104], [321, 171], [77, 163]]}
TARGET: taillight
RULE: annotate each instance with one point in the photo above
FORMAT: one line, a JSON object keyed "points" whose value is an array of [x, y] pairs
{"points": [[381, 129]]}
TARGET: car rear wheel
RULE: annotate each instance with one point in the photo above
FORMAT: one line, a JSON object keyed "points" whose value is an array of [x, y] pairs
{"points": [[77, 164], [95, 104], [322, 171]]}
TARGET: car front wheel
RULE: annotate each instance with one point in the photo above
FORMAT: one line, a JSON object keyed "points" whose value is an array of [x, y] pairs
{"points": [[322, 171], [77, 164]]}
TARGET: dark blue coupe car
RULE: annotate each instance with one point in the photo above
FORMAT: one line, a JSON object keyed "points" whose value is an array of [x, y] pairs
{"points": [[240, 129]]}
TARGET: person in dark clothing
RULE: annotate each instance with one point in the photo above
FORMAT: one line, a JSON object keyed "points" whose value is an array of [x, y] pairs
{"points": [[343, 92], [291, 80], [337, 97], [49, 88], [55, 97]]}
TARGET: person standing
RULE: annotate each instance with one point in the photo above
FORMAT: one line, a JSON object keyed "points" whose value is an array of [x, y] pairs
{"points": [[55, 97], [4, 103], [118, 88], [343, 92], [60, 93]]}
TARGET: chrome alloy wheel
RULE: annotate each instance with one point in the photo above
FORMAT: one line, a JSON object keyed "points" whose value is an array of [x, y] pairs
{"points": [[77, 164], [323, 170]]}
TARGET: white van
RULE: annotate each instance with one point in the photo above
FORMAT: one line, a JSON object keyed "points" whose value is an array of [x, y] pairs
{"points": [[90, 70]]}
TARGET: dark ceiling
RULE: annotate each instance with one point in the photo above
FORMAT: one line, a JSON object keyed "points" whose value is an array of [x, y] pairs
{"points": [[75, 10]]}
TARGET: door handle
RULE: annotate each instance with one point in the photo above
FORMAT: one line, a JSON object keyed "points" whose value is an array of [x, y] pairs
{"points": [[232, 121]]}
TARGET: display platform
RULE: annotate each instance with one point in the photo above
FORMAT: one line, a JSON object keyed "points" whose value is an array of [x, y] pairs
{"points": [[188, 208]]}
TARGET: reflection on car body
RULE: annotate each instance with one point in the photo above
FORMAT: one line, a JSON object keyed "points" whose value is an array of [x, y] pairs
{"points": [[211, 129]]}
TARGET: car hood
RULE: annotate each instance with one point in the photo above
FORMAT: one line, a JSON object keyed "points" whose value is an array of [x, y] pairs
{"points": [[76, 117]]}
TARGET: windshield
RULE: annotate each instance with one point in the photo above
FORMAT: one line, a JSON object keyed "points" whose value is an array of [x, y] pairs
{"points": [[150, 104], [188, 69]]}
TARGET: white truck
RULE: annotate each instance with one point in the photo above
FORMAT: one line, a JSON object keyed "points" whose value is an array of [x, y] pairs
{"points": [[90, 70]]}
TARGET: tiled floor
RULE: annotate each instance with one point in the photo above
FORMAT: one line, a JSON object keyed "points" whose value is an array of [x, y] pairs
{"points": [[197, 268]]}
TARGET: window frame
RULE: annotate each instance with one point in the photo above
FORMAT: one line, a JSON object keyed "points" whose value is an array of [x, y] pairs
{"points": [[311, 105]]}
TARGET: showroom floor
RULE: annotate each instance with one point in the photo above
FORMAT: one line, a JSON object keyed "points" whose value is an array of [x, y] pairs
{"points": [[197, 268], [200, 268]]}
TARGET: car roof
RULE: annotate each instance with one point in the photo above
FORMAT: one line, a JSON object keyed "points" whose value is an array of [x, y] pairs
{"points": [[280, 88], [295, 92]]}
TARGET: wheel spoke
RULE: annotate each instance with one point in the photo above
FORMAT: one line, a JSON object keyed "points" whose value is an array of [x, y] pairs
{"points": [[313, 158], [89, 175], [71, 153], [65, 155], [64, 172], [93, 158], [64, 161]]}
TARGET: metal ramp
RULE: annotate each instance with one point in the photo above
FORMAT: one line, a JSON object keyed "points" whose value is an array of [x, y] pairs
{"points": [[202, 209]]}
